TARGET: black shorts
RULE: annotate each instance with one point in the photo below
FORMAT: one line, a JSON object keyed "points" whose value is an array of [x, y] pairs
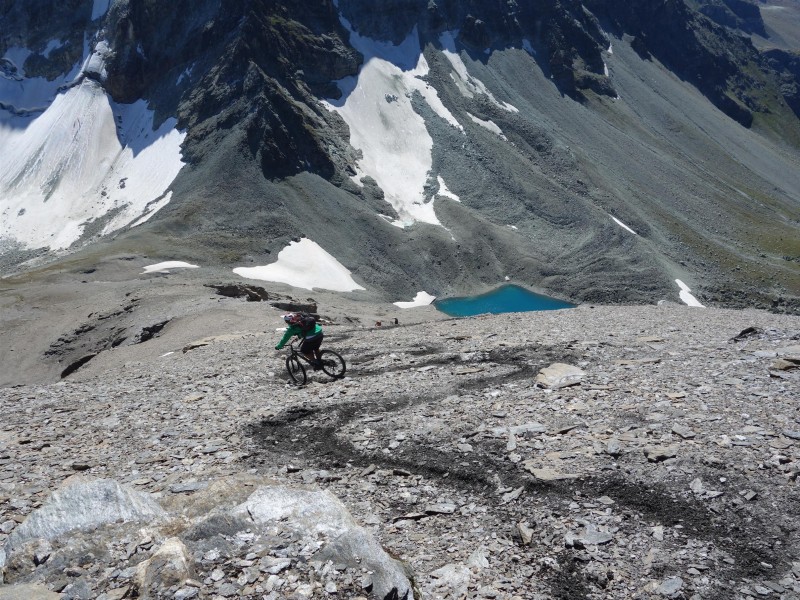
{"points": [[311, 344]]}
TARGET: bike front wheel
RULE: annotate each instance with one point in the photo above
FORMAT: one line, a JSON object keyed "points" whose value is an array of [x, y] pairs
{"points": [[333, 364], [297, 372]]}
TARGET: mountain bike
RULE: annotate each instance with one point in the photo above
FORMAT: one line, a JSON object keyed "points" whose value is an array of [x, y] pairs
{"points": [[333, 364]]}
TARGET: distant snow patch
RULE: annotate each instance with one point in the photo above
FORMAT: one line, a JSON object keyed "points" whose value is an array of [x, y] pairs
{"points": [[514, 227], [421, 299], [306, 265], [153, 208], [164, 267], [490, 125], [686, 296], [467, 84], [84, 158], [610, 49], [621, 224], [100, 8], [52, 45], [605, 69], [443, 191], [526, 45], [392, 137]]}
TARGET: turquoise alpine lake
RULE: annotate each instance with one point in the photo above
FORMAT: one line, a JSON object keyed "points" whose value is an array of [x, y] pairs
{"points": [[507, 298]]}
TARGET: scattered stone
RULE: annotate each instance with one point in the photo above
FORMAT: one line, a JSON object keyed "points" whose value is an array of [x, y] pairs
{"points": [[559, 375], [170, 565], [511, 496], [590, 536], [670, 586], [613, 447], [545, 474], [27, 592], [683, 432], [660, 453], [525, 532], [440, 509]]}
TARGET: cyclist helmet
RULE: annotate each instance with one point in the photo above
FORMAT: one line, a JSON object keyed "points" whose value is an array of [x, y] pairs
{"points": [[291, 318]]}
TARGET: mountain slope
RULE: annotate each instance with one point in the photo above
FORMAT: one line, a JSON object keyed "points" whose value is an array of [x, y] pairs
{"points": [[442, 146]]}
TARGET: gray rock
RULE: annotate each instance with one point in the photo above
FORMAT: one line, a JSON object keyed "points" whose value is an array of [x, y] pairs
{"points": [[320, 512], [670, 586], [559, 375], [591, 536], [613, 447], [27, 592], [545, 474], [660, 453], [170, 565], [683, 432], [81, 504]]}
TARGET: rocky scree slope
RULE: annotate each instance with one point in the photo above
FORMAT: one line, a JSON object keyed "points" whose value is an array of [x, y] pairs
{"points": [[660, 460], [267, 162]]}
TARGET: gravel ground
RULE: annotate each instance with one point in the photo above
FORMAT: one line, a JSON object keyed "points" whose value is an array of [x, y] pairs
{"points": [[669, 470]]}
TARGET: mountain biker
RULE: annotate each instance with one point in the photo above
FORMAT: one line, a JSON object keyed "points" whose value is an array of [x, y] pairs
{"points": [[306, 328]]}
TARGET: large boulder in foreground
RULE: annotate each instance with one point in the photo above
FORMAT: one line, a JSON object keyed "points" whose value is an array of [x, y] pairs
{"points": [[82, 504], [320, 513], [154, 548]]}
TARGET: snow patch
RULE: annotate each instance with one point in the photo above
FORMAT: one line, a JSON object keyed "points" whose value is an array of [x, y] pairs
{"points": [[84, 158], [605, 69], [306, 265], [100, 8], [392, 137], [164, 267], [621, 224], [153, 208], [526, 45], [686, 296], [490, 125], [443, 191], [468, 85], [52, 45], [421, 299]]}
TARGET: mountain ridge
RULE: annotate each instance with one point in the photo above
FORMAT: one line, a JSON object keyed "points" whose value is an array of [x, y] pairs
{"points": [[248, 86]]}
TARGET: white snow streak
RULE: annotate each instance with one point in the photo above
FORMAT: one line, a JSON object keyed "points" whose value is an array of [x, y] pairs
{"points": [[526, 45], [490, 125], [468, 85], [686, 296], [306, 265], [444, 191], [395, 144], [421, 299], [100, 8], [71, 156], [164, 267], [621, 224]]}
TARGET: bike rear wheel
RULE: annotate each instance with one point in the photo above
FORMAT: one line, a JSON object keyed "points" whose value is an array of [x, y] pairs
{"points": [[297, 372], [333, 364]]}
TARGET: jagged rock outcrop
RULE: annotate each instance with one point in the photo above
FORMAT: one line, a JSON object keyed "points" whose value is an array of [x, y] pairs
{"points": [[92, 522]]}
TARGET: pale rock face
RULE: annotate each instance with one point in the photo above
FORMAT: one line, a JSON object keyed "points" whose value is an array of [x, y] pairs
{"points": [[321, 513], [79, 505], [170, 565]]}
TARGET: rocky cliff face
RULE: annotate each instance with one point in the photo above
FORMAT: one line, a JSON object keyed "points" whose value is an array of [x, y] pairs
{"points": [[554, 129]]}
